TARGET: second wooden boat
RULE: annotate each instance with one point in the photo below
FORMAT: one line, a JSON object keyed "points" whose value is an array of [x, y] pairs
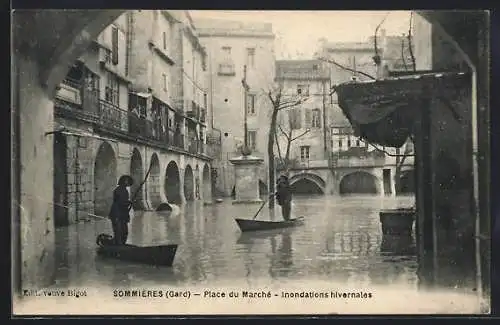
{"points": [[160, 255], [255, 225]]}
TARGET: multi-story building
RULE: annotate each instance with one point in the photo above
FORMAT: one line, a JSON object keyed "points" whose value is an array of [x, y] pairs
{"points": [[231, 46], [303, 129], [134, 103], [349, 164]]}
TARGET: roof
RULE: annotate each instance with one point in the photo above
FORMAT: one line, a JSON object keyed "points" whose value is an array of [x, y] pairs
{"points": [[301, 70], [347, 46], [220, 27]]}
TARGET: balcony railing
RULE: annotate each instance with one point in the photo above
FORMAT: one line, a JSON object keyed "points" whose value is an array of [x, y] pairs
{"points": [[112, 116]]}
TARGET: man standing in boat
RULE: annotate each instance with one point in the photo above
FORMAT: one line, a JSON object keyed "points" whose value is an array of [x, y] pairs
{"points": [[284, 196], [120, 208]]}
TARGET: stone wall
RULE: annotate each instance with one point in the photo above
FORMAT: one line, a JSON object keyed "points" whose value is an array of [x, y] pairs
{"points": [[36, 152]]}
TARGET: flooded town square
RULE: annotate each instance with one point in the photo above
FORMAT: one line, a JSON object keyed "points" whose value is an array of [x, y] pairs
{"points": [[205, 162]]}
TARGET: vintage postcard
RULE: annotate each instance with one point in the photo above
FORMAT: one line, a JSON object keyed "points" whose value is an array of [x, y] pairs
{"points": [[188, 162]]}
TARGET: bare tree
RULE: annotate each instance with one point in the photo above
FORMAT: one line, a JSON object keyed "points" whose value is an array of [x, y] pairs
{"points": [[279, 103], [287, 130]]}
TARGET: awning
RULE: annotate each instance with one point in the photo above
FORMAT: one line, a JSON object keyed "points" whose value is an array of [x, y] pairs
{"points": [[384, 111]]}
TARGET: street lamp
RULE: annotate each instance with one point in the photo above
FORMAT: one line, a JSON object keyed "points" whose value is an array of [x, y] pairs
{"points": [[245, 150]]}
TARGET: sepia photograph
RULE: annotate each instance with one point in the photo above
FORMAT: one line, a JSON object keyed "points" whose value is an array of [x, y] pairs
{"points": [[244, 162]]}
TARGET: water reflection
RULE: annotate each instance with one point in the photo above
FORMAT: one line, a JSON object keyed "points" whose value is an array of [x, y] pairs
{"points": [[341, 240]]}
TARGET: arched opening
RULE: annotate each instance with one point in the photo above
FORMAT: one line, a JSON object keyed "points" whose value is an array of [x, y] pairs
{"points": [[188, 184], [105, 179], [207, 185], [306, 186], [358, 183], [172, 183], [60, 181], [137, 173], [263, 189], [407, 182], [154, 182]]}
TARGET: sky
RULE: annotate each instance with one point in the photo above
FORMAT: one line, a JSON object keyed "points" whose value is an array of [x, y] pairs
{"points": [[297, 32]]}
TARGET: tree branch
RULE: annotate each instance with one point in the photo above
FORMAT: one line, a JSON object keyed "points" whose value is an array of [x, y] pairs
{"points": [[304, 133], [410, 43], [403, 53], [376, 57], [348, 69], [284, 133]]}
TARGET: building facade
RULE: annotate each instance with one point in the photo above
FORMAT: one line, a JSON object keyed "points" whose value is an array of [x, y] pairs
{"points": [[128, 106], [303, 129], [230, 47]]}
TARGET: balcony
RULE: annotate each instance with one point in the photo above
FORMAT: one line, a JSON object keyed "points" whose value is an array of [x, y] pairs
{"points": [[226, 69], [70, 91], [112, 116]]}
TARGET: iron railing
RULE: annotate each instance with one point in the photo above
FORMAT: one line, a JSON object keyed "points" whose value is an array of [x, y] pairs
{"points": [[112, 116]]}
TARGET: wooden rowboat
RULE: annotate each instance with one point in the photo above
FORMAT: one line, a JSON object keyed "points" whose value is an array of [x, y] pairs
{"points": [[255, 225], [161, 255]]}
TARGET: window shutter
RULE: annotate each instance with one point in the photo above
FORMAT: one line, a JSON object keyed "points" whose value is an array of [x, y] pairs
{"points": [[308, 118], [114, 45]]}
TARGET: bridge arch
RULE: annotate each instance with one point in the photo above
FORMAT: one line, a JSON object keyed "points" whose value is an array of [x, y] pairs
{"points": [[359, 182], [307, 183]]}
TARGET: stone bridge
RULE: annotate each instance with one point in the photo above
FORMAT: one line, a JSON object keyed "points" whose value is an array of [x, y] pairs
{"points": [[346, 180]]}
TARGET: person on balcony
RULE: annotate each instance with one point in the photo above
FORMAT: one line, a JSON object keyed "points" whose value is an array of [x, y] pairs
{"points": [[119, 213], [284, 196]]}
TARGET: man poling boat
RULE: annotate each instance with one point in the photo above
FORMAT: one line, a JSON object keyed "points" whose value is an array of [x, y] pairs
{"points": [[284, 198]]}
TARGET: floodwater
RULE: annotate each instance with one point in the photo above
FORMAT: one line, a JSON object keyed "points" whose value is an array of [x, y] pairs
{"points": [[341, 243], [341, 240]]}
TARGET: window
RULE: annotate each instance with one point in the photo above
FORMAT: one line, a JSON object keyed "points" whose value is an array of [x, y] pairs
{"points": [[303, 90], [226, 51], [112, 90], [251, 57], [348, 142], [252, 139], [340, 143], [164, 40], [335, 131], [295, 118], [308, 118], [304, 153], [358, 143], [251, 104], [315, 67], [164, 76], [114, 45], [316, 118]]}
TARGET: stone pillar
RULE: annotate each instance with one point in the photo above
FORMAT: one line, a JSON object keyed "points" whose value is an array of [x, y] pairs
{"points": [[246, 172]]}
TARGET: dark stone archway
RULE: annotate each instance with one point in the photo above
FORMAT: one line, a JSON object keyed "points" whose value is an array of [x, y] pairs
{"points": [[188, 183], [207, 185], [306, 186], [105, 179], [172, 184], [154, 182], [359, 183], [137, 173]]}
